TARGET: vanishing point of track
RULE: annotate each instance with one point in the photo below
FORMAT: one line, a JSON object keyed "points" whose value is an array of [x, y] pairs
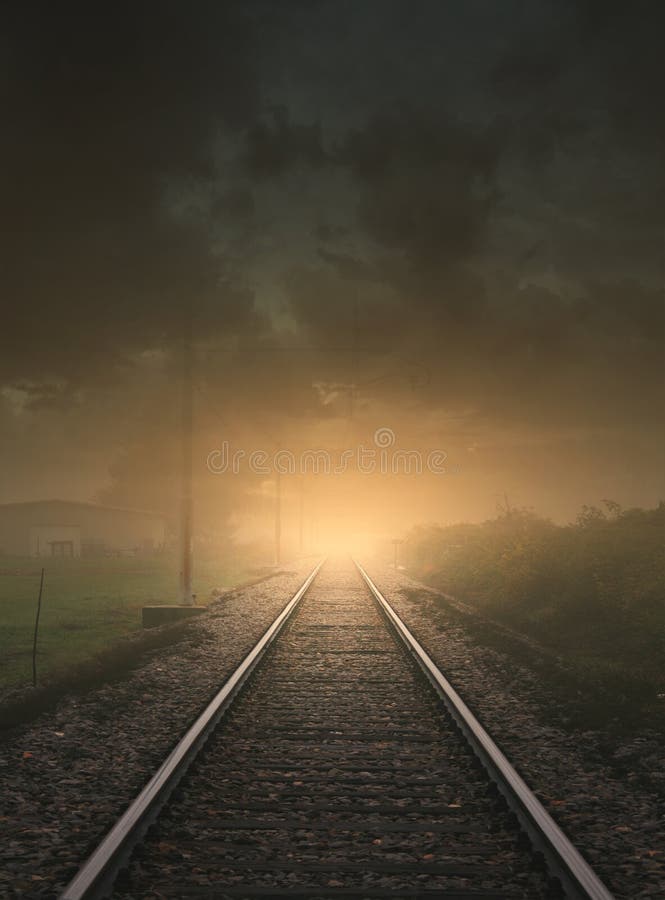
{"points": [[337, 761]]}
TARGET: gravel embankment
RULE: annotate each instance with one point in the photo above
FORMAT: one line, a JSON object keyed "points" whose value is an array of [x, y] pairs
{"points": [[65, 778], [336, 771], [606, 793]]}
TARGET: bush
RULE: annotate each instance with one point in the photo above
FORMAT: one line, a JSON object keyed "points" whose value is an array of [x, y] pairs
{"points": [[595, 587]]}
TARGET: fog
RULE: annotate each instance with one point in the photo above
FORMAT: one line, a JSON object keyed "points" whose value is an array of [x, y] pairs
{"points": [[447, 225]]}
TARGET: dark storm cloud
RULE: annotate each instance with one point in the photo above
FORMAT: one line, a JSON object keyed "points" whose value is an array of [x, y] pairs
{"points": [[412, 136], [426, 182], [237, 203], [103, 105], [529, 70], [432, 188], [426, 188], [599, 65], [348, 266], [628, 310], [474, 186], [326, 232], [278, 144]]}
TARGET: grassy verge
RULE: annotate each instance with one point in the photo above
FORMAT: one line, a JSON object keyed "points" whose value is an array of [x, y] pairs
{"points": [[592, 594], [88, 604]]}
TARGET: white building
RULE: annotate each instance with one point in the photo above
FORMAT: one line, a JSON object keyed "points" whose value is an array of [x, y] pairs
{"points": [[65, 528]]}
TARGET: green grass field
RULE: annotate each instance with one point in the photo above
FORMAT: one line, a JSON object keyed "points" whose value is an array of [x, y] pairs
{"points": [[86, 605]]}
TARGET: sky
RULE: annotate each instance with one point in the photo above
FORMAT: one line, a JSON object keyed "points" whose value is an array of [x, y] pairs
{"points": [[444, 218]]}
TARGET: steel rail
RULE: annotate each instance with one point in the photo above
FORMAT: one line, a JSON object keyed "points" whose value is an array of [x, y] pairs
{"points": [[95, 878], [564, 862]]}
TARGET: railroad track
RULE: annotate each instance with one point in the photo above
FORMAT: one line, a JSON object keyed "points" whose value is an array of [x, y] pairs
{"points": [[327, 766]]}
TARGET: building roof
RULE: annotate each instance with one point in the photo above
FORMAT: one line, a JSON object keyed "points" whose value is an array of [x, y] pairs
{"points": [[80, 503]]}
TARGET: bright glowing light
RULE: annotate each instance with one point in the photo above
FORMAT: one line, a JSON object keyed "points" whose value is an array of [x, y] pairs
{"points": [[341, 543]]}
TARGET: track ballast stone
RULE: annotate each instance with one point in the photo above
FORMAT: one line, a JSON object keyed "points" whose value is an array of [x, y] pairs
{"points": [[338, 771], [66, 778], [617, 820]]}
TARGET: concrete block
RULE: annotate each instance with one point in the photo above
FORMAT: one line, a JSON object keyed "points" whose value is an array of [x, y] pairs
{"points": [[152, 616]]}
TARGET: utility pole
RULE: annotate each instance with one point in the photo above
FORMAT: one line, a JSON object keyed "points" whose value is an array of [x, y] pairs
{"points": [[301, 521], [186, 493], [354, 367], [315, 530], [278, 517], [396, 542]]}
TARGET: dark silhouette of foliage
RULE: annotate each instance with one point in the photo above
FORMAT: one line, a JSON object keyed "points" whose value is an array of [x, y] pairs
{"points": [[593, 590]]}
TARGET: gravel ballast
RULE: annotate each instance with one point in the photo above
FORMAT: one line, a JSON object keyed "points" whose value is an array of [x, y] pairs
{"points": [[606, 792], [336, 768], [66, 777]]}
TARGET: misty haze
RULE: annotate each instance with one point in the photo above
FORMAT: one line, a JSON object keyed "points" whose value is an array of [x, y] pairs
{"points": [[331, 411]]}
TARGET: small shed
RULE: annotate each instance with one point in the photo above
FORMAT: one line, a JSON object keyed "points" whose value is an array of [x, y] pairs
{"points": [[64, 528]]}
